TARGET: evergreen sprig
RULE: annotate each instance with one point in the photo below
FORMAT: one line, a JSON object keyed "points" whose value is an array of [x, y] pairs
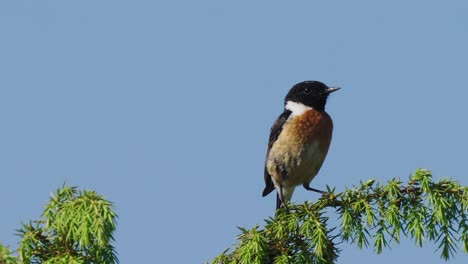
{"points": [[75, 227], [6, 256], [370, 214]]}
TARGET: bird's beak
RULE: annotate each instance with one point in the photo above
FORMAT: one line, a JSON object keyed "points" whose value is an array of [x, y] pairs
{"points": [[332, 89]]}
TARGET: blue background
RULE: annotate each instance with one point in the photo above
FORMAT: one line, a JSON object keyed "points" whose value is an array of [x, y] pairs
{"points": [[164, 107]]}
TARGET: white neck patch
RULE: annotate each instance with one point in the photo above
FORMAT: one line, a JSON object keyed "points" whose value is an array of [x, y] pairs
{"points": [[297, 108]]}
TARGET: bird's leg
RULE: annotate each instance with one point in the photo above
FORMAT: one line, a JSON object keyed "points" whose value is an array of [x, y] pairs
{"points": [[281, 199], [281, 203], [307, 187]]}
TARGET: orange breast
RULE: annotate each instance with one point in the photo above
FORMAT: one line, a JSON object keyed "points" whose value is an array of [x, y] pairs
{"points": [[312, 126]]}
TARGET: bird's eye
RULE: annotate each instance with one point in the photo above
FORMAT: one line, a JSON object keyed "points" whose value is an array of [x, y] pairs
{"points": [[307, 91]]}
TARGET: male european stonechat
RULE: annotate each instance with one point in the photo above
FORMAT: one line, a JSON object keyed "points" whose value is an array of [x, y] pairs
{"points": [[299, 140]]}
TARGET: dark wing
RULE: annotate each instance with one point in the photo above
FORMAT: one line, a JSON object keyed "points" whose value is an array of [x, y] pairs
{"points": [[274, 133]]}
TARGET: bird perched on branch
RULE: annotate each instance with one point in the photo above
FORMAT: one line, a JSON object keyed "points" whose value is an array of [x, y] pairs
{"points": [[299, 140]]}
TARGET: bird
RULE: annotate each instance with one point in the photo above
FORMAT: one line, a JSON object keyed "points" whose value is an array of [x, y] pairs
{"points": [[299, 141]]}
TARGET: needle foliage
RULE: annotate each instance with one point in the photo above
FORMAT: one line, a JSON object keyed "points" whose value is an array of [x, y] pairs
{"points": [[370, 215], [6, 256], [75, 227]]}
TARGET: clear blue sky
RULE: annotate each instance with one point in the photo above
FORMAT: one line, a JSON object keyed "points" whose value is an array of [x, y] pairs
{"points": [[164, 107]]}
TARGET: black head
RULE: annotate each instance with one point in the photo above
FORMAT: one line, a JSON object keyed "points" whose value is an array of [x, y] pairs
{"points": [[310, 93]]}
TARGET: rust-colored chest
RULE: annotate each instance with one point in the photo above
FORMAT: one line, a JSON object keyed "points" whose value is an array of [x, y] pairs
{"points": [[311, 127]]}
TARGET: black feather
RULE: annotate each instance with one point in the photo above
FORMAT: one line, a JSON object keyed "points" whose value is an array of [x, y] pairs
{"points": [[274, 134]]}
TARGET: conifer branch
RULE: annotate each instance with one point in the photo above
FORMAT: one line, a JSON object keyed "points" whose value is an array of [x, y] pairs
{"points": [[370, 214]]}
